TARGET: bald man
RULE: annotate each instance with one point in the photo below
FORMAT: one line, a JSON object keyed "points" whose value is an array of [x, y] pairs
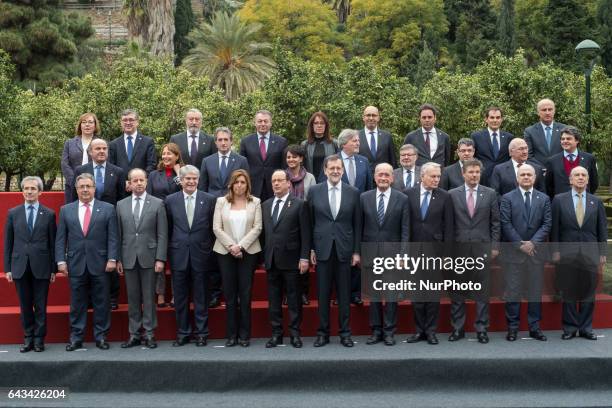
{"points": [[543, 137], [374, 143]]}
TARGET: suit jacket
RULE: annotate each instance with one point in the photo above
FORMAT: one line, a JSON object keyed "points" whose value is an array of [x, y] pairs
{"points": [[516, 227], [536, 141], [37, 248], [290, 239], [452, 177], [399, 183], [503, 178], [396, 222], [90, 251], [557, 181], [385, 149], [344, 230], [568, 235], [206, 147], [439, 224], [72, 157], [114, 182], [443, 152], [484, 151], [363, 175], [146, 242], [210, 176], [484, 226], [191, 246], [143, 157], [160, 186], [223, 229], [261, 170]]}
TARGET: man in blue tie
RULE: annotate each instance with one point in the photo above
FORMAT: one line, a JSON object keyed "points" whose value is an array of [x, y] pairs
{"points": [[544, 137], [375, 144]]}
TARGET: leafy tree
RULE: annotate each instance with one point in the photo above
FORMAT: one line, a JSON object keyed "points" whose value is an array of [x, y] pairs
{"points": [[568, 24], [425, 67], [212, 7], [184, 21], [604, 20], [342, 8], [531, 23], [475, 33], [506, 38], [306, 27], [226, 51]]}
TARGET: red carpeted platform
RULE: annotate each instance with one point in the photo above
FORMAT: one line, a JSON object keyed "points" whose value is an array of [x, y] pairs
{"points": [[59, 299]]}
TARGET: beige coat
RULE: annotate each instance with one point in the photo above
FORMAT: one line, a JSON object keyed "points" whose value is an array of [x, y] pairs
{"points": [[223, 231]]}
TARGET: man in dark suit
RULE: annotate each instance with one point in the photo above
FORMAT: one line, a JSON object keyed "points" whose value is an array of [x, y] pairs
{"points": [[87, 249], [579, 235], [194, 144], [561, 164], [408, 174], [143, 236], [452, 176], [287, 237], [29, 262], [543, 138], [190, 242], [216, 168], [132, 149], [504, 176], [334, 211], [477, 228], [375, 144], [431, 221], [432, 144], [525, 217], [385, 217], [264, 153], [491, 143]]}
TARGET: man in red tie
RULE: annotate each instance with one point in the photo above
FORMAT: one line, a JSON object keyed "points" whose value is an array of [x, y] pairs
{"points": [[86, 249]]}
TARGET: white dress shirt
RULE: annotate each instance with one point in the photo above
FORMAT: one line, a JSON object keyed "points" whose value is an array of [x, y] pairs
{"points": [[125, 140], [189, 139], [433, 140], [142, 200], [386, 195], [338, 195], [369, 137], [281, 205]]}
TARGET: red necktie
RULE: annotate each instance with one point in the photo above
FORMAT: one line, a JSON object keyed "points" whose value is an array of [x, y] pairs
{"points": [[86, 219], [262, 147]]}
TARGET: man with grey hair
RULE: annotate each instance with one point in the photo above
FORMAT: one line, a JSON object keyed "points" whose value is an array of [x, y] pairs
{"points": [[132, 149], [504, 176], [452, 176], [194, 144], [190, 243], [408, 174], [264, 153], [543, 138], [29, 261]]}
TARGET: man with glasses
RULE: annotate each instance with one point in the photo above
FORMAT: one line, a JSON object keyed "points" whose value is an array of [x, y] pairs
{"points": [[409, 174]]}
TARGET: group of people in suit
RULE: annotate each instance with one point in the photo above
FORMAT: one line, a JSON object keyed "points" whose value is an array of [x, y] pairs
{"points": [[211, 215]]}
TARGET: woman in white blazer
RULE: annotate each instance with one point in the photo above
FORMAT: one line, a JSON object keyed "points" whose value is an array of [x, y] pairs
{"points": [[237, 225]]}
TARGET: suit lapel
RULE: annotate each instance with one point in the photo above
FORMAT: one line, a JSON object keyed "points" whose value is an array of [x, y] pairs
{"points": [[286, 207], [390, 204], [145, 208], [590, 208], [463, 201], [569, 206], [137, 146], [94, 215], [109, 176]]}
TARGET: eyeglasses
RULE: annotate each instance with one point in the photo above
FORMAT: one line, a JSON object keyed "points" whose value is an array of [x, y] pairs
{"points": [[85, 187], [88, 122], [128, 120]]}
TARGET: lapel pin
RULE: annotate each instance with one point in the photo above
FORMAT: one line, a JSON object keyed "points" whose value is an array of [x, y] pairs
{"points": [[112, 174], [288, 204], [592, 203], [201, 202], [97, 210]]}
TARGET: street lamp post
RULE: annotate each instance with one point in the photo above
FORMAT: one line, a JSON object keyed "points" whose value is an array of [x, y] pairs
{"points": [[589, 50]]}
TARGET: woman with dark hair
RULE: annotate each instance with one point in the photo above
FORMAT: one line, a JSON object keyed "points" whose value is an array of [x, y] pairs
{"points": [[318, 145], [301, 180], [237, 224], [75, 151], [161, 183]]}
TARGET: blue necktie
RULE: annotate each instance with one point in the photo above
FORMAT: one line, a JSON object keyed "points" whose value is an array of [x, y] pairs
{"points": [[373, 144], [527, 204], [408, 181], [130, 148], [548, 136], [99, 181], [571, 157], [381, 208], [495, 145], [223, 168], [425, 205], [31, 218]]}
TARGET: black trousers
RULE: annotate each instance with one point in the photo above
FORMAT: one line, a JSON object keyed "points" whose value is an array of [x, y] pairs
{"points": [[578, 282], [114, 287], [32, 295], [383, 318], [426, 316], [290, 280], [185, 282], [237, 278], [515, 276], [340, 272], [83, 289]]}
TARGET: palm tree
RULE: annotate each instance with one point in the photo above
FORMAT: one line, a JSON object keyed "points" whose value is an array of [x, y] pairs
{"points": [[342, 9], [226, 51]]}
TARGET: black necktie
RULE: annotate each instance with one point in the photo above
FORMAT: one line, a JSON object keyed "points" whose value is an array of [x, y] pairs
{"points": [[31, 218], [193, 155], [527, 204], [276, 210]]}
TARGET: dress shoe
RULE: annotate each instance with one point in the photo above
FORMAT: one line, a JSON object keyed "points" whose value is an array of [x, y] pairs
{"points": [[482, 337], [114, 306], [180, 341], [537, 334], [588, 335], [39, 347], [296, 341], [389, 341], [568, 335], [231, 342], [374, 339], [274, 341], [133, 341], [321, 341], [511, 336], [357, 301], [74, 346], [201, 341], [215, 302], [456, 335], [335, 302], [26, 347], [432, 339], [150, 342], [305, 300], [415, 338], [244, 342], [102, 344], [347, 341]]}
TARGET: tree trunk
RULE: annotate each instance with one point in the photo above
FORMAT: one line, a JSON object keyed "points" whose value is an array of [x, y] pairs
{"points": [[137, 22], [7, 181], [161, 27]]}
